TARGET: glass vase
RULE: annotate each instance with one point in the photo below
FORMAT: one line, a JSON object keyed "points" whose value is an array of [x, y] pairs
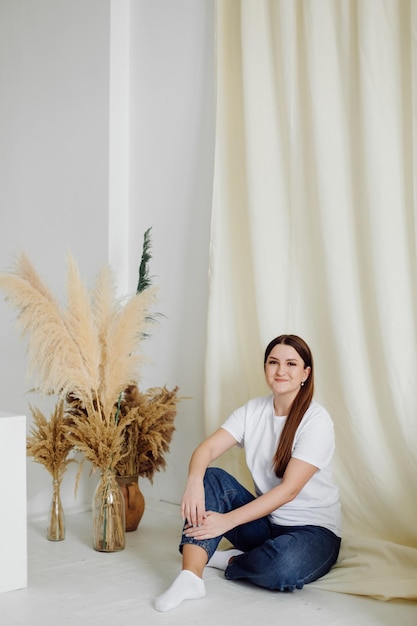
{"points": [[108, 515], [56, 526]]}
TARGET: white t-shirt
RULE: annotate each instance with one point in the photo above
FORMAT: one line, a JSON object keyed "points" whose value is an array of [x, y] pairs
{"points": [[257, 429]]}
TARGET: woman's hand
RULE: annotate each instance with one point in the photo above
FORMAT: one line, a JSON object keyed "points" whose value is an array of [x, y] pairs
{"points": [[193, 507], [212, 525]]}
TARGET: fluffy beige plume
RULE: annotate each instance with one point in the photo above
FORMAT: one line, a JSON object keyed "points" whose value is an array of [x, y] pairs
{"points": [[124, 335], [25, 270], [79, 318], [105, 307], [54, 358]]}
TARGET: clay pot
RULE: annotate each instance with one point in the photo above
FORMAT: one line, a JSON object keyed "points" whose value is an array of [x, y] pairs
{"points": [[134, 500]]}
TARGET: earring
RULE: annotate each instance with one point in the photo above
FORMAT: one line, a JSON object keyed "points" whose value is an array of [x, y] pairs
{"points": [[302, 384]]}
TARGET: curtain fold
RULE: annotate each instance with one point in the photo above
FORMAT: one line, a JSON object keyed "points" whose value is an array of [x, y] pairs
{"points": [[314, 232]]}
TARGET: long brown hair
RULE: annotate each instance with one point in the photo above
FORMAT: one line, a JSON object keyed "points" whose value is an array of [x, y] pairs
{"points": [[300, 405]]}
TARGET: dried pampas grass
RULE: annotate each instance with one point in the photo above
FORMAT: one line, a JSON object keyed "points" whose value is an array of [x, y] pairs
{"points": [[151, 418], [86, 351], [54, 359], [89, 348], [100, 438], [48, 443]]}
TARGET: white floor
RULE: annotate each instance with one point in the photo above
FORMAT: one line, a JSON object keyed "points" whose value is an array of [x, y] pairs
{"points": [[70, 583]]}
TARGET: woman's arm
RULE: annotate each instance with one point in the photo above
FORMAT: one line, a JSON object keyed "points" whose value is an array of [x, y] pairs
{"points": [[297, 474], [193, 502]]}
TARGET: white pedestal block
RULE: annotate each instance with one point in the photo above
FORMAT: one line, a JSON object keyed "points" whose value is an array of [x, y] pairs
{"points": [[13, 530]]}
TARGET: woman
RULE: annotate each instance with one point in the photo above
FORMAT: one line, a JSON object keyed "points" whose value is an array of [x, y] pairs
{"points": [[289, 534]]}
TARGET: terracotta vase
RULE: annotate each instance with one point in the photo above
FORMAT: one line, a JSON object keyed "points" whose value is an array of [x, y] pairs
{"points": [[108, 515], [134, 500]]}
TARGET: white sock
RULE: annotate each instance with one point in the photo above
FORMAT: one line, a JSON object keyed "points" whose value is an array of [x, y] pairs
{"points": [[187, 586], [221, 558]]}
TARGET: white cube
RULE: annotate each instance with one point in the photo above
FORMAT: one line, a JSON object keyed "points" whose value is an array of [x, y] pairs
{"points": [[13, 528]]}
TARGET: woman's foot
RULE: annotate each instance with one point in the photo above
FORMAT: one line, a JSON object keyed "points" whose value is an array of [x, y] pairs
{"points": [[222, 558], [187, 586]]}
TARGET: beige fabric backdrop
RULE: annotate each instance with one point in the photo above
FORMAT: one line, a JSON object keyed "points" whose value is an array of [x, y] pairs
{"points": [[314, 232]]}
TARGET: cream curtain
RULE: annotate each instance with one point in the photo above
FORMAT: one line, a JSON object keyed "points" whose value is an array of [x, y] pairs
{"points": [[314, 233]]}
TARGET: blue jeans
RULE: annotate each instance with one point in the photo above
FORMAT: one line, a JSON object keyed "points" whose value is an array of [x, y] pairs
{"points": [[274, 557]]}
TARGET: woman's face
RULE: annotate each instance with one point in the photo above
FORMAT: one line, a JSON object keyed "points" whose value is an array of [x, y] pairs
{"points": [[285, 371]]}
